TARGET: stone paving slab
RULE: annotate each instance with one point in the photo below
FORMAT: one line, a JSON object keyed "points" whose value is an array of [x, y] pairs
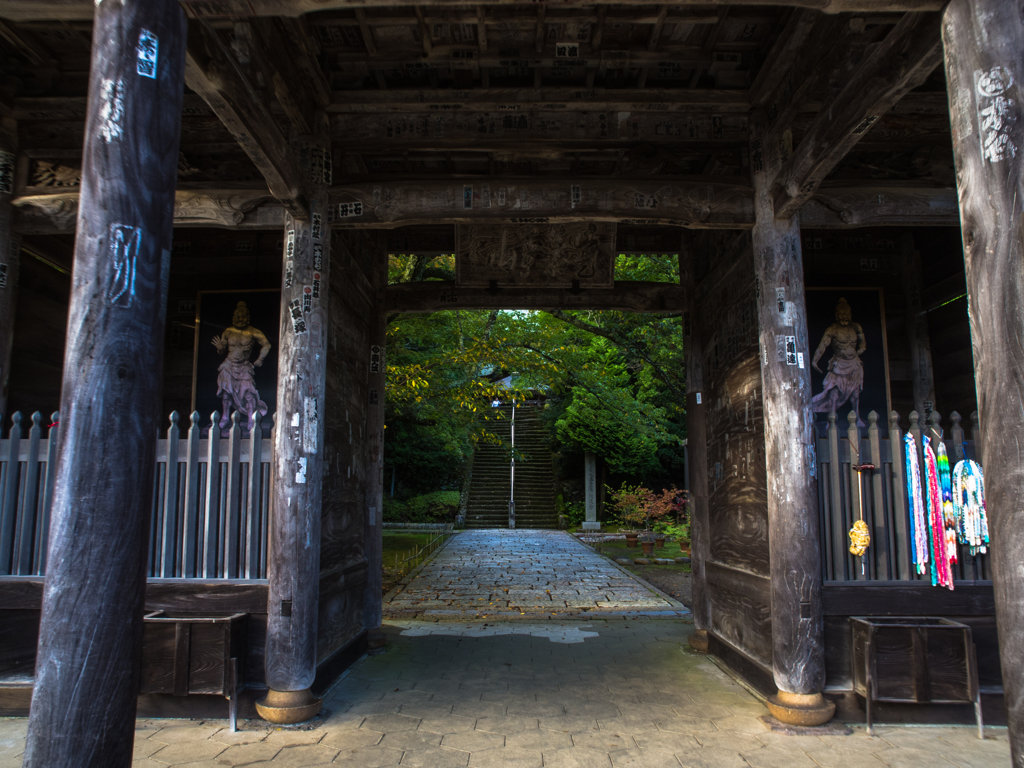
{"points": [[502, 573], [598, 693]]}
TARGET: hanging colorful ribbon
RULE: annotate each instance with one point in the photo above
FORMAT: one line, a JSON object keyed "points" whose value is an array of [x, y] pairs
{"points": [[915, 498], [942, 574], [969, 503], [949, 515]]}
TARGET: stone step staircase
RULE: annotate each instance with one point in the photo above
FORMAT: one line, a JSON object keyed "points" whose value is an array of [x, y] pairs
{"points": [[534, 486]]}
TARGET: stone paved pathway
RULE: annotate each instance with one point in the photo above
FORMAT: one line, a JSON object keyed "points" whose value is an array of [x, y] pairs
{"points": [[498, 573], [603, 693], [620, 688]]}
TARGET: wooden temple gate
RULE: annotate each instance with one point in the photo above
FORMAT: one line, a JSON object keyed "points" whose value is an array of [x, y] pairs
{"points": [[328, 133]]}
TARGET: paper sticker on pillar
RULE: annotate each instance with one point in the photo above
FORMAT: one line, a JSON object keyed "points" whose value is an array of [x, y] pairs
{"points": [[316, 285], [307, 299], [376, 359], [997, 113], [346, 210], [6, 173], [467, 197], [318, 256], [298, 323], [316, 227], [780, 299], [575, 195], [300, 474], [145, 54], [790, 350], [310, 426], [124, 251], [111, 109], [374, 398]]}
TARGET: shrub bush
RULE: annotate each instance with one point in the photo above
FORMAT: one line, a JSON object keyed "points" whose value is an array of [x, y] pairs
{"points": [[436, 507]]}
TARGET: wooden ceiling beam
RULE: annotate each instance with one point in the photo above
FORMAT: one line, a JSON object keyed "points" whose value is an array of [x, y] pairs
{"points": [[836, 205], [682, 203], [212, 72], [625, 296], [558, 99], [897, 65], [783, 55], [82, 10]]}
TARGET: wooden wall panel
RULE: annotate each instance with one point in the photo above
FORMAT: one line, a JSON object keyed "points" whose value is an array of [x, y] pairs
{"points": [[342, 562], [737, 484], [737, 570]]}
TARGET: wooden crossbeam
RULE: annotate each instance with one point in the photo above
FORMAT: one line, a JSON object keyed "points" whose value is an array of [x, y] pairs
{"points": [[212, 72], [554, 99], [644, 201], [626, 296], [900, 63], [835, 206], [82, 10]]}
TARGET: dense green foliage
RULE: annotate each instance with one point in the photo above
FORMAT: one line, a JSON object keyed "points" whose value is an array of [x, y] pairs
{"points": [[613, 382], [436, 507]]}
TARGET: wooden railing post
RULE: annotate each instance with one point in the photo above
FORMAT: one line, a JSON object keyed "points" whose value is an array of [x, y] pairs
{"points": [[211, 517], [254, 528], [30, 505], [168, 537], [43, 529], [293, 565], [840, 557], [9, 502], [899, 498], [880, 527], [861, 571], [90, 635], [798, 653], [982, 42], [190, 528]]}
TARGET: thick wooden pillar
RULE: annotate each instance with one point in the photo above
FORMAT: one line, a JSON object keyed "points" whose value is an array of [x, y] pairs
{"points": [[798, 660], [373, 542], [90, 637], [10, 254], [696, 444], [917, 331], [983, 42], [293, 567]]}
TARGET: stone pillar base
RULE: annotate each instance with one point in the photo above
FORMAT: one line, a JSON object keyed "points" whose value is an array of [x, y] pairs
{"points": [[589, 526], [804, 709], [699, 641], [375, 639], [288, 707]]}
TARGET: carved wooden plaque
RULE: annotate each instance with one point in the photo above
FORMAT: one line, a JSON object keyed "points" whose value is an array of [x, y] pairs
{"points": [[536, 254]]}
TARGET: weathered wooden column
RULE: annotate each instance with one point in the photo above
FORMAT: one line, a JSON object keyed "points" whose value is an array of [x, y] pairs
{"points": [[10, 254], [90, 637], [696, 444], [373, 542], [293, 567], [917, 330], [798, 660], [984, 50]]}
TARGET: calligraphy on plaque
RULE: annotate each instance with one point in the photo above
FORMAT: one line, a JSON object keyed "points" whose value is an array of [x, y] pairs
{"points": [[555, 255]]}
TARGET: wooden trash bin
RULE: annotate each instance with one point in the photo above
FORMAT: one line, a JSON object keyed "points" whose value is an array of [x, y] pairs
{"points": [[185, 653], [914, 660]]}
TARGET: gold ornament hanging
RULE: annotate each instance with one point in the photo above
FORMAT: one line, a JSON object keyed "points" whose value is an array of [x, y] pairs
{"points": [[860, 538]]}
